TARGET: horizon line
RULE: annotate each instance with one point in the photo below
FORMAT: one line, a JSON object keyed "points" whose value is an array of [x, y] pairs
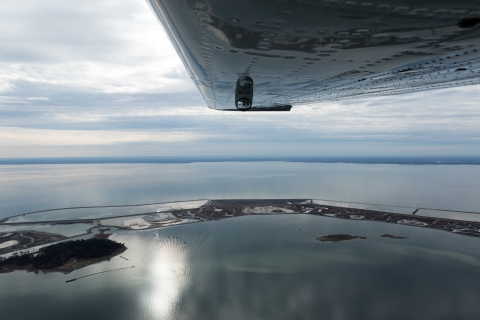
{"points": [[375, 159]]}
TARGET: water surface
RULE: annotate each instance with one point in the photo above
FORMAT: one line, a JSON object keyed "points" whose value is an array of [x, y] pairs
{"points": [[27, 188], [252, 267], [259, 267]]}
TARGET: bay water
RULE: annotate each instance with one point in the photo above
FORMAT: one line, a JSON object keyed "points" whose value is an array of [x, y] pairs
{"points": [[254, 267]]}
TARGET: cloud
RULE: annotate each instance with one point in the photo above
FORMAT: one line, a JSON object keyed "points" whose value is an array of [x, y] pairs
{"points": [[11, 137], [107, 46]]}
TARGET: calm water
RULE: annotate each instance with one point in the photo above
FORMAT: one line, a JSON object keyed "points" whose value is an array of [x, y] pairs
{"points": [[254, 267], [262, 267], [25, 188]]}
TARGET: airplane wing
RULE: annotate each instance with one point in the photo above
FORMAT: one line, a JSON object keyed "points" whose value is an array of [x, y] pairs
{"points": [[267, 55]]}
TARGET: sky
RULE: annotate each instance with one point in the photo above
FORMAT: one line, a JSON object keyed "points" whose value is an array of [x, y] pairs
{"points": [[100, 78]]}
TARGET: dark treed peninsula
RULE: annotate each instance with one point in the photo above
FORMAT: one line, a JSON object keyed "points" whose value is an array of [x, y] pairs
{"points": [[75, 254]]}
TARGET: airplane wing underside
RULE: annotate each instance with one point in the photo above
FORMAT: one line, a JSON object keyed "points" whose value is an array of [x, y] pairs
{"points": [[308, 51]]}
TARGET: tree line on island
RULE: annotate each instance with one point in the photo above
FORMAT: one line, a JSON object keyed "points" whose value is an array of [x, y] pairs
{"points": [[58, 254]]}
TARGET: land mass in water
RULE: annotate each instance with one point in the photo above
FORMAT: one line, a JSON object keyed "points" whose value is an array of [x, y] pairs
{"points": [[387, 235], [338, 237], [217, 210], [27, 239], [64, 256]]}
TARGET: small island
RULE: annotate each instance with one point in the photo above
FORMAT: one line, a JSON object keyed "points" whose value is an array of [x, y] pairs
{"points": [[338, 237], [391, 236], [64, 256]]}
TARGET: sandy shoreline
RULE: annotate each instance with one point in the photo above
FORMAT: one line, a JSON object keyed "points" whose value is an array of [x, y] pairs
{"points": [[27, 239]]}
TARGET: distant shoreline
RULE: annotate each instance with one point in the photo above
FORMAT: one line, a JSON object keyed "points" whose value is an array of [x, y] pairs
{"points": [[403, 160]]}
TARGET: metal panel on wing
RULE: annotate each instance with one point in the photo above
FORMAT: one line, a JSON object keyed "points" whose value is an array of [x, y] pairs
{"points": [[305, 51]]}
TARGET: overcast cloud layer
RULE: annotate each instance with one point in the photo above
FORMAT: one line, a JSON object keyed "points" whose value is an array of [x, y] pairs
{"points": [[100, 78]]}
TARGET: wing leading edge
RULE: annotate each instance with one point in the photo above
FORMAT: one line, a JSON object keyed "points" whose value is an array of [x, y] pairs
{"points": [[311, 51]]}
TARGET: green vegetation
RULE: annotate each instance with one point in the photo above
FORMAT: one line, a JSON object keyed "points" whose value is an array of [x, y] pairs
{"points": [[58, 254]]}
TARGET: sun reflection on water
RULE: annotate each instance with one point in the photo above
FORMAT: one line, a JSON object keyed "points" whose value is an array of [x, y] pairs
{"points": [[168, 276]]}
